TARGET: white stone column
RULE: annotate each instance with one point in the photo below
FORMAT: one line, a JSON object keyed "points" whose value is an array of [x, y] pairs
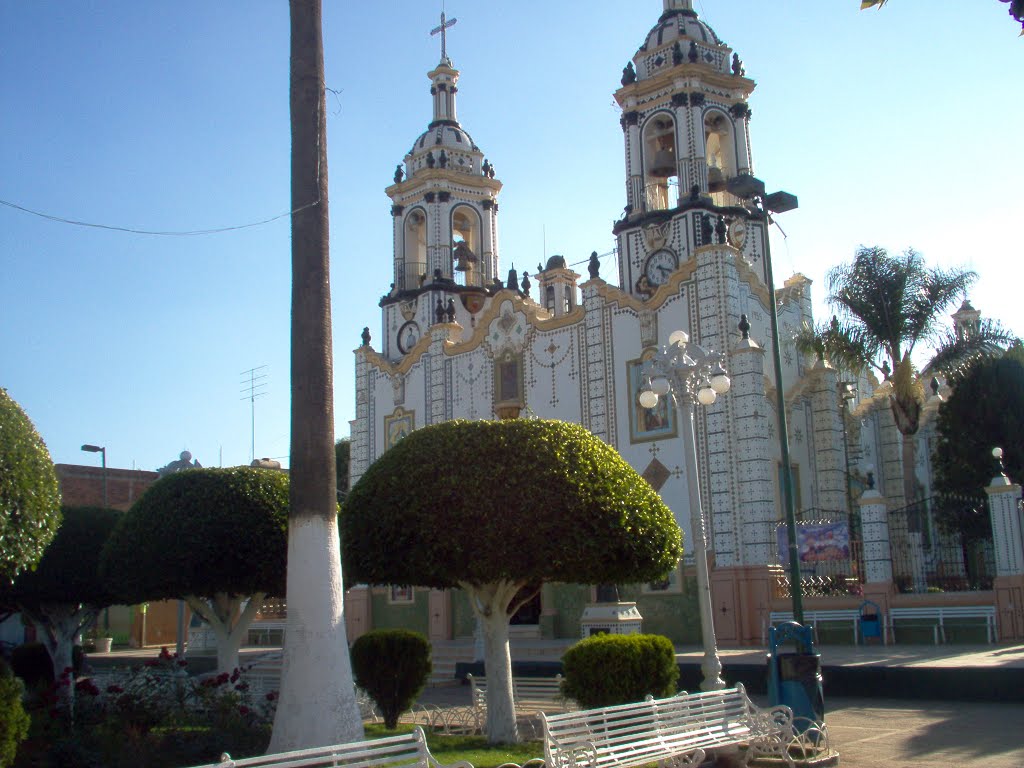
{"points": [[1007, 535], [875, 526], [829, 459], [756, 496], [360, 452], [598, 401]]}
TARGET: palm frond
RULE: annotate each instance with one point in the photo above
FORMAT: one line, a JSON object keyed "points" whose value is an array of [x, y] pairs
{"points": [[957, 351], [895, 302]]}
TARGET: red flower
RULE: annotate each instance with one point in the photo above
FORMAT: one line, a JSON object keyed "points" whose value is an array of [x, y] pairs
{"points": [[243, 710], [272, 696]]}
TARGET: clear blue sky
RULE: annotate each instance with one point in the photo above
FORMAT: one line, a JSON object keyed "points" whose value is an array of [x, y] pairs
{"points": [[897, 128]]}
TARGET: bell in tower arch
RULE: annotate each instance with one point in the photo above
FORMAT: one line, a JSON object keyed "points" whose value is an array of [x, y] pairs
{"points": [[465, 259]]}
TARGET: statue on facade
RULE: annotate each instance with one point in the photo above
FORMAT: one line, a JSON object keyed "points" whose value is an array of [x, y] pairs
{"points": [[184, 462]]}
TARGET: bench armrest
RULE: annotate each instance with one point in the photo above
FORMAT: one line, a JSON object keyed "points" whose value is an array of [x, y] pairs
{"points": [[582, 753], [772, 721]]}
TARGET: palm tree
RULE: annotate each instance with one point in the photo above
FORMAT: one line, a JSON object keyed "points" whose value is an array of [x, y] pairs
{"points": [[317, 704], [887, 306]]}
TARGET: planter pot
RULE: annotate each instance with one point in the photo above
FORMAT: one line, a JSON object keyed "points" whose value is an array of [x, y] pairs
{"points": [[103, 644]]}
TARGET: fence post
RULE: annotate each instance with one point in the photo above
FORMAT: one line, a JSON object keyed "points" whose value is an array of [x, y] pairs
{"points": [[874, 524], [1004, 502]]}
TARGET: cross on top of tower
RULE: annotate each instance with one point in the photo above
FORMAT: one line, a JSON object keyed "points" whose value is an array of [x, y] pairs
{"points": [[441, 30]]}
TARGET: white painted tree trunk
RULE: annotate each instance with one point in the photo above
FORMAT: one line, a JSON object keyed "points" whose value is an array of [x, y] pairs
{"points": [[220, 613], [57, 625], [317, 704], [491, 605]]}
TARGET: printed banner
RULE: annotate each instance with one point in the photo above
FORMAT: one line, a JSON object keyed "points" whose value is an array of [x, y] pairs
{"points": [[817, 543]]}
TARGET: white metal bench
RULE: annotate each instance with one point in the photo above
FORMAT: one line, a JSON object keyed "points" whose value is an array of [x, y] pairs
{"points": [[813, 618], [934, 617], [530, 694], [678, 731], [409, 749], [263, 676]]}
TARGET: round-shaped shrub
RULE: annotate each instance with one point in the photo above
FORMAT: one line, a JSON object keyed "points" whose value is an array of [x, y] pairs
{"points": [[392, 666], [31, 662], [14, 721], [605, 670], [29, 496]]}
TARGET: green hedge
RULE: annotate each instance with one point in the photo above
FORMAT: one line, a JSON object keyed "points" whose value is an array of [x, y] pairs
{"points": [[14, 721], [392, 666], [605, 670]]}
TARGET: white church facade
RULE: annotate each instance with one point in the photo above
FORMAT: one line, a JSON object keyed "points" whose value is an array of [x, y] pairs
{"points": [[461, 340]]}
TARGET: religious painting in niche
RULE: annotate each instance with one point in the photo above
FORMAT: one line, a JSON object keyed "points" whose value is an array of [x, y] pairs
{"points": [[398, 425], [658, 423], [508, 384]]}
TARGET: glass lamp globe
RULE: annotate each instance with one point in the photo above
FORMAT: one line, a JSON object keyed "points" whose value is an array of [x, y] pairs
{"points": [[648, 398], [678, 337], [720, 381], [706, 395], [661, 385]]}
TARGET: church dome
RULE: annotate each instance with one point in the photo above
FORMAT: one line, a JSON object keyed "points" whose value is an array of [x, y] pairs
{"points": [[555, 262], [444, 135], [680, 37], [445, 145]]}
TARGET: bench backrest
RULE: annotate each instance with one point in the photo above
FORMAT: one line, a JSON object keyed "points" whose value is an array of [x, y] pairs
{"points": [[408, 749], [673, 725], [934, 611], [605, 728], [523, 688]]}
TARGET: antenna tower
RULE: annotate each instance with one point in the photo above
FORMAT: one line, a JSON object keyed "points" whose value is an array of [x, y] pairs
{"points": [[253, 385]]}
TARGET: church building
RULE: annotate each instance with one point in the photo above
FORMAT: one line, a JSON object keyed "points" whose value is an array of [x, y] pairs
{"points": [[460, 339]]}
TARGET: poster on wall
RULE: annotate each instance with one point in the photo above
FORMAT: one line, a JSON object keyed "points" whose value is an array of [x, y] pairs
{"points": [[817, 542]]}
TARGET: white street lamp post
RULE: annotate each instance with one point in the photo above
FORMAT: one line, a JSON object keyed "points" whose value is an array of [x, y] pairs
{"points": [[691, 374]]}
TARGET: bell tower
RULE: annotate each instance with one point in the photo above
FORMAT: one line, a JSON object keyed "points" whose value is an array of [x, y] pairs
{"points": [[445, 211], [685, 125]]}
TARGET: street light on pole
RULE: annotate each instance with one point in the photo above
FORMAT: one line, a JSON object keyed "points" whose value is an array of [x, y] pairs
{"points": [[692, 375], [762, 205], [103, 451]]}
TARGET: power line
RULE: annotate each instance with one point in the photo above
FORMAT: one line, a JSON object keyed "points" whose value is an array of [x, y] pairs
{"points": [[158, 233]]}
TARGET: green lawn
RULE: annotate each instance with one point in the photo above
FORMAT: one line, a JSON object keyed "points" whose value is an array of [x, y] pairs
{"points": [[473, 749]]}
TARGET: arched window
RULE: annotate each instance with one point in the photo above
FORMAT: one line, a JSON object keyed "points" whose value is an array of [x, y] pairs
{"points": [[661, 172], [466, 246], [549, 299], [720, 154], [415, 249]]}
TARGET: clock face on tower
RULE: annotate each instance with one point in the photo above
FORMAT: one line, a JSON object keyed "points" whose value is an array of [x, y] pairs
{"points": [[408, 335], [737, 233], [659, 266]]}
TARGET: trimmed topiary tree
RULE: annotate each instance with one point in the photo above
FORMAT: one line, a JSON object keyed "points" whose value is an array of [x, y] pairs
{"points": [[213, 537], [606, 670], [29, 497], [65, 593], [392, 666], [497, 509], [14, 720]]}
